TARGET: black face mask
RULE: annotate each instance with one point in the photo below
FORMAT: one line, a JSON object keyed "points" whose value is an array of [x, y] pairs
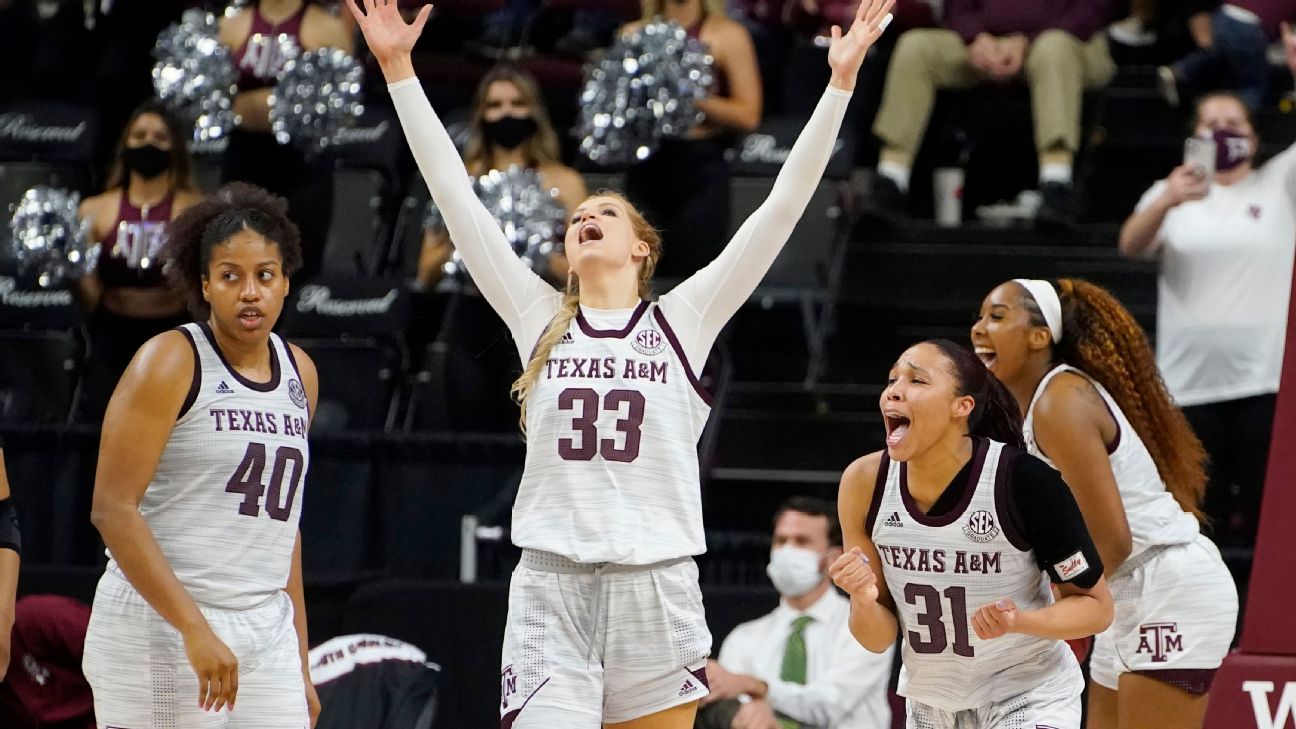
{"points": [[147, 161], [511, 131]]}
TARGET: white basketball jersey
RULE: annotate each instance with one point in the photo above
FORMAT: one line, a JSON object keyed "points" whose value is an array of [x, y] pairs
{"points": [[227, 494], [942, 569], [1154, 517], [613, 423]]}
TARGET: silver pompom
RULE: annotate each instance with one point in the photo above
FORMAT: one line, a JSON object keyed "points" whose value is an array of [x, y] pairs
{"points": [[317, 94], [531, 217], [50, 242], [195, 77], [645, 88]]}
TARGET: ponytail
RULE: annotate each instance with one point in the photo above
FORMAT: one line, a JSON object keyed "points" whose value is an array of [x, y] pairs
{"points": [[995, 413], [1103, 340], [558, 326]]}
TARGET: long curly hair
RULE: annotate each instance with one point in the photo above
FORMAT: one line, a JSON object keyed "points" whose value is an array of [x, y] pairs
{"points": [[570, 306], [214, 220], [1101, 338]]}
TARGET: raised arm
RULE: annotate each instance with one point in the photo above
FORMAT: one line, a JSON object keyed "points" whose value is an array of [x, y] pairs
{"points": [[702, 305], [521, 298]]}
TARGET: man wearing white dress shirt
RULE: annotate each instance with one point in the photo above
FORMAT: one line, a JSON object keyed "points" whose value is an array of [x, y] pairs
{"points": [[798, 667]]}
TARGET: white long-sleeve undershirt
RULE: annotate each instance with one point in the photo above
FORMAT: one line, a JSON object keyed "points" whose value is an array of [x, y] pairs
{"points": [[697, 309]]}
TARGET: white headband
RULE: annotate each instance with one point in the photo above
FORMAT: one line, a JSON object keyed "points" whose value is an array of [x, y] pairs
{"points": [[1049, 303]]}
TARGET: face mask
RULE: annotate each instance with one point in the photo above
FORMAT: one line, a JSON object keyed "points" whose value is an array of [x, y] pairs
{"points": [[794, 571], [1232, 150], [147, 161], [511, 131]]}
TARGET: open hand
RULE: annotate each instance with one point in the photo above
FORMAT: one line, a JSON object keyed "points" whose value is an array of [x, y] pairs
{"points": [[846, 52], [386, 33], [995, 620], [216, 667]]}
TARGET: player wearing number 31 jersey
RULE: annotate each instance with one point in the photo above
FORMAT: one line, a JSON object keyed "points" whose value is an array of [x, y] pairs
{"points": [[605, 624], [955, 534], [199, 619]]}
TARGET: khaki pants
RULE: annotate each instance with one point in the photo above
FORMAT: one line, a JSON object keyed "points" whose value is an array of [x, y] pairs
{"points": [[1058, 68]]}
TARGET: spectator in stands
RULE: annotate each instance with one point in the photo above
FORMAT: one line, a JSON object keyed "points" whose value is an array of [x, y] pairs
{"points": [[1225, 246], [683, 189], [1056, 46], [255, 33], [509, 126], [45, 688], [1232, 50], [148, 185], [799, 665]]}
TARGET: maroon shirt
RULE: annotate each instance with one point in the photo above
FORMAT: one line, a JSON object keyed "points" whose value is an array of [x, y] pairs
{"points": [[44, 686], [1080, 18]]}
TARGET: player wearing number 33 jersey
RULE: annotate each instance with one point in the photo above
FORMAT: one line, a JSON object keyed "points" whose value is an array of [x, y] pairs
{"points": [[605, 622], [955, 535], [198, 620]]}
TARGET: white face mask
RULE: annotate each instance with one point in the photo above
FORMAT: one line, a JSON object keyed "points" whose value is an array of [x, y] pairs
{"points": [[794, 570]]}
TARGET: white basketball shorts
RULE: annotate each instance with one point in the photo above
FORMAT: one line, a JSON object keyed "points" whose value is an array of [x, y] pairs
{"points": [[1053, 704], [1176, 612], [588, 644], [141, 679]]}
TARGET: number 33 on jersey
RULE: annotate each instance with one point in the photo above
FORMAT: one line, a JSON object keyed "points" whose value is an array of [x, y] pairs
{"points": [[613, 423]]}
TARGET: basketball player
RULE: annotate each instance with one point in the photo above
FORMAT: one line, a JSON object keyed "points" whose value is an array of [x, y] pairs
{"points": [[198, 493], [951, 527], [605, 623], [10, 549], [1097, 410]]}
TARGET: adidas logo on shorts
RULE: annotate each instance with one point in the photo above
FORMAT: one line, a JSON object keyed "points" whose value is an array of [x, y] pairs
{"points": [[224, 389], [893, 520], [688, 688]]}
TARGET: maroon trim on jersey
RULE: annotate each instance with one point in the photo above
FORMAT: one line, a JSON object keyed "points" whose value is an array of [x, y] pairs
{"points": [[1196, 681], [269, 386], [1008, 518], [590, 331], [506, 721], [292, 360], [660, 316], [879, 487], [969, 489], [195, 382]]}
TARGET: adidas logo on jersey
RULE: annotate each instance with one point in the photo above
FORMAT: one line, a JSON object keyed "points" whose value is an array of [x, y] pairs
{"points": [[567, 338], [893, 520], [224, 389], [688, 688]]}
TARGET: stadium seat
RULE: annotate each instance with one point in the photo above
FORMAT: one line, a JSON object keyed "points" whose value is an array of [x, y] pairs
{"points": [[38, 375], [353, 237], [353, 329]]}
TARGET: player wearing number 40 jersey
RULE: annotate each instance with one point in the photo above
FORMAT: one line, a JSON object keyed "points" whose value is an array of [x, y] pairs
{"points": [[199, 618], [605, 624], [954, 534]]}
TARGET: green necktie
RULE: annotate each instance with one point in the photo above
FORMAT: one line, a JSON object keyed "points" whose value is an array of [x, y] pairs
{"points": [[793, 669]]}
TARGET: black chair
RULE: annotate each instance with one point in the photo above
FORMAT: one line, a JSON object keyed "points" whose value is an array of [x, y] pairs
{"points": [[352, 328], [39, 373]]}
